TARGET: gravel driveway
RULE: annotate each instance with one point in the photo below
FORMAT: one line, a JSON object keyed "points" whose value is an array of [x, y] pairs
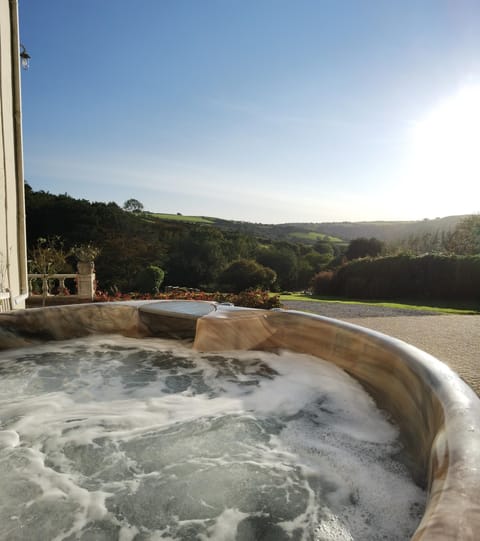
{"points": [[454, 339], [340, 310]]}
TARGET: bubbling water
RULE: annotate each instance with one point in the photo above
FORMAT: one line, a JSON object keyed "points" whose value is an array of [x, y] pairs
{"points": [[117, 438]]}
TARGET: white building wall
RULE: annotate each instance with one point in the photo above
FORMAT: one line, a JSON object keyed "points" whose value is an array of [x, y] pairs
{"points": [[13, 264]]}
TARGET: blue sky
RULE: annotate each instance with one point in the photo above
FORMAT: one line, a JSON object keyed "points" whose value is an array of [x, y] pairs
{"points": [[261, 110]]}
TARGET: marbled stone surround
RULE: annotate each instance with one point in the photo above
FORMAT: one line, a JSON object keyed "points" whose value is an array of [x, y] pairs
{"points": [[438, 414]]}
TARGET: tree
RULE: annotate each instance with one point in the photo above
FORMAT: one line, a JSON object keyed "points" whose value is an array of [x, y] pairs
{"points": [[196, 257], [324, 251], [124, 255], [47, 258], [245, 274], [363, 247], [282, 258], [133, 205], [465, 239], [325, 248]]}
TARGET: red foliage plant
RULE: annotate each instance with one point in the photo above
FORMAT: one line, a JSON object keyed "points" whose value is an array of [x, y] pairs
{"points": [[255, 298]]}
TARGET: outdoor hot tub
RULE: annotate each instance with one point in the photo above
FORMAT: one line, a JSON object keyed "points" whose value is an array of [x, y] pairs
{"points": [[438, 416]]}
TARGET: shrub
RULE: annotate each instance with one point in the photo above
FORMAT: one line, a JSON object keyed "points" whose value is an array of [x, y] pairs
{"points": [[362, 247], [254, 298], [245, 274], [150, 279], [322, 283]]}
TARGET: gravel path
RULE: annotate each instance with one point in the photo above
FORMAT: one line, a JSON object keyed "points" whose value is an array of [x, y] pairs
{"points": [[340, 310], [454, 339]]}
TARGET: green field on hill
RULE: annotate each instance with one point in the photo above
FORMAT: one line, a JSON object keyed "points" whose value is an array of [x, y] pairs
{"points": [[314, 236], [181, 218]]}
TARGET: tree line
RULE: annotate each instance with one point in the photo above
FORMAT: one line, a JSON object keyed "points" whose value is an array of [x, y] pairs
{"points": [[132, 243], [138, 252]]}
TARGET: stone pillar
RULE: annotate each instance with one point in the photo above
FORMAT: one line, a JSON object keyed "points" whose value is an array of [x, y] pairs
{"points": [[86, 280]]}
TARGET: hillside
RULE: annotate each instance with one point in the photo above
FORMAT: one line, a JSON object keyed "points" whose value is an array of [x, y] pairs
{"points": [[386, 231], [338, 233], [196, 251], [335, 232]]}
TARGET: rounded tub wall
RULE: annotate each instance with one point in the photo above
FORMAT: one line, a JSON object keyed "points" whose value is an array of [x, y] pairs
{"points": [[25, 327], [381, 369], [438, 415]]}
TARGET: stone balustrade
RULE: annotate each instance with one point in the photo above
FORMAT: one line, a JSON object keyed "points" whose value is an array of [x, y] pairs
{"points": [[52, 284], [55, 285]]}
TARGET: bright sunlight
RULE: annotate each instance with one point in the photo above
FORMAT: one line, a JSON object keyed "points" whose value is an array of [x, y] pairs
{"points": [[446, 153]]}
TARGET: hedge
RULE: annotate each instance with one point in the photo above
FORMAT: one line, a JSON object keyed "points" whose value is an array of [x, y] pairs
{"points": [[404, 276]]}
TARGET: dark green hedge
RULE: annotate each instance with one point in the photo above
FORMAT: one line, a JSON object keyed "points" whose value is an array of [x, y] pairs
{"points": [[413, 277]]}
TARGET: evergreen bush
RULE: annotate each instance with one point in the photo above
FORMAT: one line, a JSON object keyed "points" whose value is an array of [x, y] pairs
{"points": [[150, 279], [246, 274], [409, 277], [322, 283]]}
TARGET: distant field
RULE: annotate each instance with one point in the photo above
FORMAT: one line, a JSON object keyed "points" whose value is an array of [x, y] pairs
{"points": [[314, 236], [181, 218]]}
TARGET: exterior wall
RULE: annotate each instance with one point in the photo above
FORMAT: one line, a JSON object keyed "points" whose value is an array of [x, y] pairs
{"points": [[13, 264]]}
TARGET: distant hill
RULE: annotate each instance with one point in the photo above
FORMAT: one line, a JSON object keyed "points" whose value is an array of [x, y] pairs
{"points": [[195, 250], [335, 232], [386, 231], [43, 208]]}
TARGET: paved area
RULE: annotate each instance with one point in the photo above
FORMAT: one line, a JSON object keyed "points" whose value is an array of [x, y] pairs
{"points": [[453, 339]]}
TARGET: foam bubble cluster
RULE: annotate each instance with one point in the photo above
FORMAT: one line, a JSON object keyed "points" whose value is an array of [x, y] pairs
{"points": [[117, 438]]}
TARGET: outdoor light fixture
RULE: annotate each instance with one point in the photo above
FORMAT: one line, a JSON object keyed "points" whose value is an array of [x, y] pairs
{"points": [[25, 57]]}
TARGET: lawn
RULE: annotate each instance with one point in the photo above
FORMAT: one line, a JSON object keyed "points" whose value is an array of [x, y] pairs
{"points": [[442, 307]]}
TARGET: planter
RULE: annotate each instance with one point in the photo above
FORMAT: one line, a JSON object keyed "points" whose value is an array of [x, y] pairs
{"points": [[86, 267]]}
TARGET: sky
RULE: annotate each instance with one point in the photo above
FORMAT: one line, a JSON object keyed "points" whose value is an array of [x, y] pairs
{"points": [[267, 111]]}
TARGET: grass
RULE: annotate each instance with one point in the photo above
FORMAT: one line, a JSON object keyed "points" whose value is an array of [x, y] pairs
{"points": [[181, 218], [441, 307], [314, 236]]}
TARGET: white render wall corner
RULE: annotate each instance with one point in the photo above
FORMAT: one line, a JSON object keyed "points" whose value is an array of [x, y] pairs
{"points": [[13, 260]]}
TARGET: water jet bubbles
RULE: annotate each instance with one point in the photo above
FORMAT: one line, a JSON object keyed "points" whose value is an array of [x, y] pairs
{"points": [[9, 438], [147, 439]]}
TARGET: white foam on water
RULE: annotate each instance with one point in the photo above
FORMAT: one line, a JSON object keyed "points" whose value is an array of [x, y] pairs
{"points": [[117, 438], [225, 527], [9, 438]]}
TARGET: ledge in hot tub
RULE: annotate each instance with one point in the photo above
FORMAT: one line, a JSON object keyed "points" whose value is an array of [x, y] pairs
{"points": [[168, 319], [172, 319]]}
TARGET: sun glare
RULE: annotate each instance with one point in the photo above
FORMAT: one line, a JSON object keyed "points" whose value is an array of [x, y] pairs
{"points": [[446, 152]]}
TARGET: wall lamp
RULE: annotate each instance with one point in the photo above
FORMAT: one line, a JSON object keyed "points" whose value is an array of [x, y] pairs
{"points": [[25, 57]]}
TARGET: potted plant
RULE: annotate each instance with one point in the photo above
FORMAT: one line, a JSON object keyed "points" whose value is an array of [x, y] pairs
{"points": [[85, 254]]}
